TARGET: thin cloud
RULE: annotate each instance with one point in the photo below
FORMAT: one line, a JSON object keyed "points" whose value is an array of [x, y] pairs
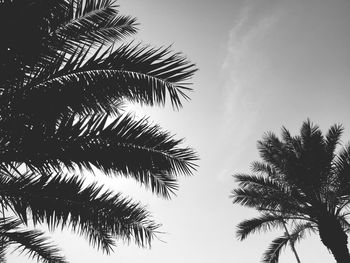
{"points": [[244, 68]]}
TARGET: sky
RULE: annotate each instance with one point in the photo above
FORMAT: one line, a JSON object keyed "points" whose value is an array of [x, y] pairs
{"points": [[263, 64]]}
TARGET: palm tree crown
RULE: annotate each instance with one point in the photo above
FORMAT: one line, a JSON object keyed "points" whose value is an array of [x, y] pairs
{"points": [[304, 181], [64, 76]]}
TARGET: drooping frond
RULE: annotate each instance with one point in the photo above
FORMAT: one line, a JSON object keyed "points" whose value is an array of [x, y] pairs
{"points": [[300, 229], [262, 223], [263, 168], [90, 211], [261, 192], [135, 73], [271, 255], [124, 146], [33, 243], [253, 199], [62, 83], [260, 182]]}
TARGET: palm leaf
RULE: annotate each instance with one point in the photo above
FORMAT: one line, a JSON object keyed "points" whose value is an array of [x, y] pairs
{"points": [[262, 192], [342, 169], [3, 248], [90, 211], [333, 139], [298, 231], [91, 23], [259, 182], [263, 168], [126, 147], [31, 242], [262, 223], [139, 74], [261, 200], [271, 255], [272, 152]]}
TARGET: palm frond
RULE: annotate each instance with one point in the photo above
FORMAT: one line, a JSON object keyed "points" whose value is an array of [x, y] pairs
{"points": [[299, 230], [271, 151], [309, 130], [263, 168], [260, 182], [124, 146], [333, 138], [3, 247], [271, 255], [90, 211], [262, 192], [140, 74], [92, 22], [33, 243], [341, 164], [266, 200], [262, 223]]}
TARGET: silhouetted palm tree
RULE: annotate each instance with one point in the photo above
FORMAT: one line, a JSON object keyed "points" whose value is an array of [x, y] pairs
{"points": [[304, 181], [63, 81]]}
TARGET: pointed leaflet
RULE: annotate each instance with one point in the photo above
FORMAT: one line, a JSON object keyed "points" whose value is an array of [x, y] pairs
{"points": [[90, 211], [30, 242], [262, 223], [127, 147], [140, 74]]}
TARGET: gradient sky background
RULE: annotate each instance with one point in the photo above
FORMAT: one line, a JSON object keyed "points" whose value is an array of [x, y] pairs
{"points": [[263, 64]]}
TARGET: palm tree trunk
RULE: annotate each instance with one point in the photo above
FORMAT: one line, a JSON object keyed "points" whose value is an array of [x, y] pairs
{"points": [[292, 244], [334, 238]]}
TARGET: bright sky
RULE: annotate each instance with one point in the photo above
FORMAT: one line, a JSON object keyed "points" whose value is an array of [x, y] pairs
{"points": [[263, 64]]}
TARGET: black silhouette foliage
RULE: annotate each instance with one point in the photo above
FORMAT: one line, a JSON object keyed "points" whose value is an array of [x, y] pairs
{"points": [[304, 181], [66, 70]]}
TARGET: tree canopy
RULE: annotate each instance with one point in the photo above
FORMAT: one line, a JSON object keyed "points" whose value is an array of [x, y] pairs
{"points": [[67, 68], [302, 180]]}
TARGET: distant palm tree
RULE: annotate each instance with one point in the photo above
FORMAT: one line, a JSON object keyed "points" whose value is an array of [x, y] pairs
{"points": [[304, 181], [63, 81]]}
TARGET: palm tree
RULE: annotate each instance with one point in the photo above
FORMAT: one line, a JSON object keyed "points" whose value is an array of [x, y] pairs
{"points": [[64, 77], [302, 180]]}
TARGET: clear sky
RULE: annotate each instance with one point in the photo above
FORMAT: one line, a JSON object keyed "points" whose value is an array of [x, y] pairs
{"points": [[262, 64]]}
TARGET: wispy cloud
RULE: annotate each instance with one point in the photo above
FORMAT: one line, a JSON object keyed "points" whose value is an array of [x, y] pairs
{"points": [[244, 68]]}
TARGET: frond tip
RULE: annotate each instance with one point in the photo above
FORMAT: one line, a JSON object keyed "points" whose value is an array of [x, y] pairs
{"points": [[273, 252], [97, 214], [30, 242], [262, 223]]}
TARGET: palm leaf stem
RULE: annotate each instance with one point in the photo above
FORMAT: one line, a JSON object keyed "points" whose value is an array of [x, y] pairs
{"points": [[305, 218], [2, 244], [291, 242]]}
